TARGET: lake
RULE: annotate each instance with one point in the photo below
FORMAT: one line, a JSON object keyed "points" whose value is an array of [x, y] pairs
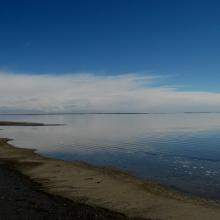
{"points": [[178, 150]]}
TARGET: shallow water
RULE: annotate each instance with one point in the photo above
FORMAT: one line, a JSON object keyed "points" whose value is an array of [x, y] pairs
{"points": [[179, 150]]}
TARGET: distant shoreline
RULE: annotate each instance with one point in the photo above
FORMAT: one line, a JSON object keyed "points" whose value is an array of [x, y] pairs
{"points": [[14, 123]]}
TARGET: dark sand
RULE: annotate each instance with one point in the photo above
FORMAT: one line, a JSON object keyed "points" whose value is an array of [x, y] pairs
{"points": [[12, 123], [20, 198]]}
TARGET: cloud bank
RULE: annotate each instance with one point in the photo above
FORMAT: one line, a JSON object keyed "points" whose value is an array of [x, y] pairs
{"points": [[95, 93]]}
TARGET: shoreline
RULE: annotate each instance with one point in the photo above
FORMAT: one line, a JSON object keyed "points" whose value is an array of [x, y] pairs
{"points": [[26, 200], [105, 187]]}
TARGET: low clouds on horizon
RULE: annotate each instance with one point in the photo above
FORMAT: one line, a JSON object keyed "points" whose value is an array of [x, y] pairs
{"points": [[98, 93]]}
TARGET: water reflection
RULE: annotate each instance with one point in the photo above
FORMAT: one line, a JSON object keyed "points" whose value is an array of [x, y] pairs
{"points": [[182, 150]]}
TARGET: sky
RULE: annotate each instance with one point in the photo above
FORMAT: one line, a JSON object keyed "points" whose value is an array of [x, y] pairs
{"points": [[108, 56]]}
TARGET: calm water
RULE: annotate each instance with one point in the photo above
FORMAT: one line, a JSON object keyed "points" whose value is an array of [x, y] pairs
{"points": [[179, 150]]}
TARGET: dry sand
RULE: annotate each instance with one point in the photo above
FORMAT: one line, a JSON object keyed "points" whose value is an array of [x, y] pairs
{"points": [[107, 188]]}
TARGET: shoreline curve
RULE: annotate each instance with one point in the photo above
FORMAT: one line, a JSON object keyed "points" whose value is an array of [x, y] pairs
{"points": [[105, 187]]}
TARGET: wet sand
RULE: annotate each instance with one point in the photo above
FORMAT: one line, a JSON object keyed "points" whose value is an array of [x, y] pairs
{"points": [[106, 188], [21, 199]]}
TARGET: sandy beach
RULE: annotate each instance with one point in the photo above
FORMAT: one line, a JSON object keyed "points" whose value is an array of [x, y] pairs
{"points": [[107, 188], [21, 199]]}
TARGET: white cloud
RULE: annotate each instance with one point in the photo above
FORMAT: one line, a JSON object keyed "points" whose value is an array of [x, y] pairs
{"points": [[90, 92]]}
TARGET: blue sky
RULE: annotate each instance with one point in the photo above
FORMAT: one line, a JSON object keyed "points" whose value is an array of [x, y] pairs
{"points": [[178, 41]]}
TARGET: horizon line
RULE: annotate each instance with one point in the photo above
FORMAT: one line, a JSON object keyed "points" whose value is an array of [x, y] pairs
{"points": [[112, 113]]}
